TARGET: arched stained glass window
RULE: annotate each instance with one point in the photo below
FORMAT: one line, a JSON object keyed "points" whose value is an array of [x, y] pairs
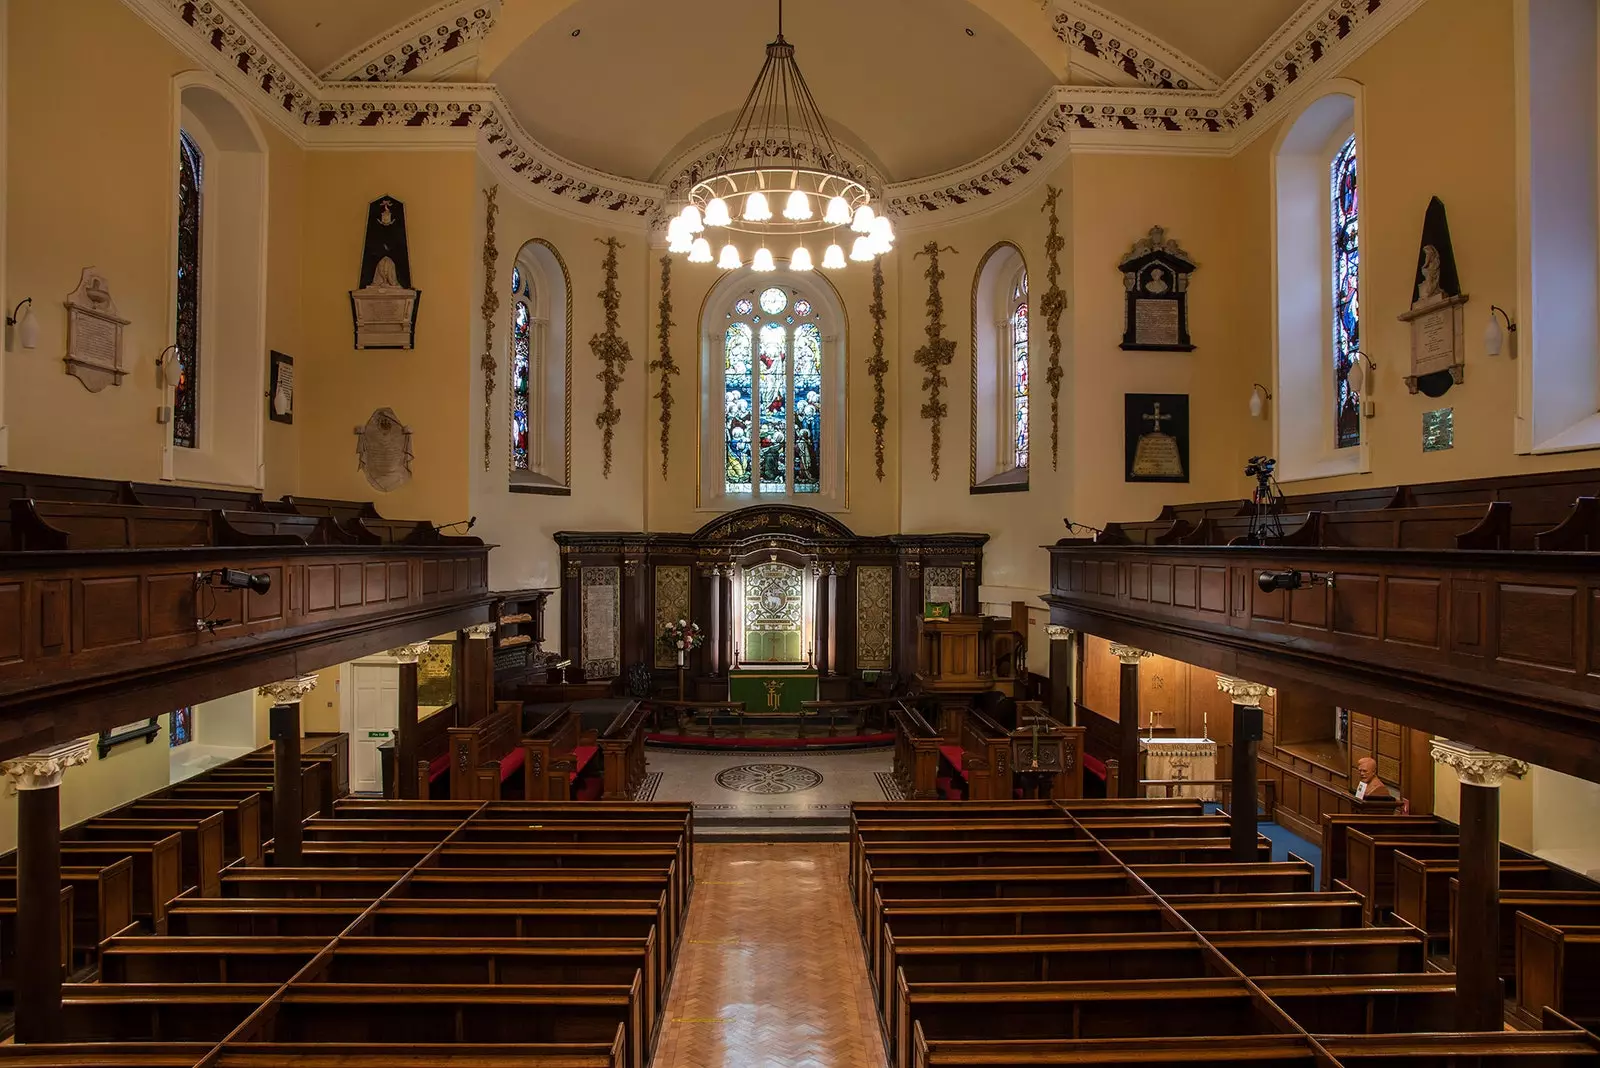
{"points": [[773, 394], [191, 176], [1019, 370], [1346, 294], [521, 371]]}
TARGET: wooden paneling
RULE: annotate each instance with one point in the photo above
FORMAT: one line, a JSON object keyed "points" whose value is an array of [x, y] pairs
{"points": [[1213, 589], [1539, 625], [1355, 605], [1411, 611], [13, 622]]}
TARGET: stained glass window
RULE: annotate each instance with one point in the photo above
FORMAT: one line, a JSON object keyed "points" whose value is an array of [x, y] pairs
{"points": [[773, 387], [180, 728], [191, 176], [1019, 371], [1346, 294], [521, 369], [738, 383]]}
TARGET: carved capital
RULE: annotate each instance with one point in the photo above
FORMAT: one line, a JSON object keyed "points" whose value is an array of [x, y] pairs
{"points": [[289, 691], [44, 770], [1128, 654], [409, 654], [1474, 766], [1057, 633], [480, 630], [1244, 693]]}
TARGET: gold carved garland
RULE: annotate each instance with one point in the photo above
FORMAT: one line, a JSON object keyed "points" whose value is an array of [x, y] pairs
{"points": [[1052, 305], [612, 352], [877, 366], [491, 306], [665, 363], [937, 354]]}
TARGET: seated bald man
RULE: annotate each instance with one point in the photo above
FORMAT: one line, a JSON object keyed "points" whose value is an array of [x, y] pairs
{"points": [[1370, 786]]}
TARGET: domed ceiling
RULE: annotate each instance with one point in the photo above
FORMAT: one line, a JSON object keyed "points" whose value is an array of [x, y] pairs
{"points": [[919, 85]]}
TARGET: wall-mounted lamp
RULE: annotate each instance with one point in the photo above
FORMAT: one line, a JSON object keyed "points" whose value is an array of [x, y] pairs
{"points": [[1361, 370], [1494, 338], [1259, 395], [24, 326]]}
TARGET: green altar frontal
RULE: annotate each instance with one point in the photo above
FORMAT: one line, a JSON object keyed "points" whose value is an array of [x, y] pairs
{"points": [[771, 691]]}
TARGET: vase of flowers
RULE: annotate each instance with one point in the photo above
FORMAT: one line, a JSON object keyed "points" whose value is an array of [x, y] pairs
{"points": [[682, 637]]}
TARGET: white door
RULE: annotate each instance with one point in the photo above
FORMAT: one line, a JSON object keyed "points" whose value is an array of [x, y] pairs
{"points": [[376, 712]]}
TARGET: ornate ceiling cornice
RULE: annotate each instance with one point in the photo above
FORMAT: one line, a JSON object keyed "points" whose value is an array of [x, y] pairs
{"points": [[1097, 33], [412, 46], [373, 110]]}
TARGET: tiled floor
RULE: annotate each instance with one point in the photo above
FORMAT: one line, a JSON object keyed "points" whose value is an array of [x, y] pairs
{"points": [[846, 777], [770, 973]]}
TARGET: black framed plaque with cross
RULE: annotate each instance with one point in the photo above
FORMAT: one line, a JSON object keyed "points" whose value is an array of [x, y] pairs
{"points": [[1156, 432], [1155, 274]]}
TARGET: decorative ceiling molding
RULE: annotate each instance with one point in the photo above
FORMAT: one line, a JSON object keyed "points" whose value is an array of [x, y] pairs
{"points": [[1149, 61], [410, 48], [228, 39]]}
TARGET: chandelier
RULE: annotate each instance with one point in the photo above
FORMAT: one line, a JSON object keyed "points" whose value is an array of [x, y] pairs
{"points": [[779, 185]]}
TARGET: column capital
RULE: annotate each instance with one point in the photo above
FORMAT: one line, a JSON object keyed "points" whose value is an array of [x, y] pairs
{"points": [[289, 691], [409, 654], [1057, 633], [44, 770], [1128, 654], [480, 630], [1476, 767], [1244, 693]]}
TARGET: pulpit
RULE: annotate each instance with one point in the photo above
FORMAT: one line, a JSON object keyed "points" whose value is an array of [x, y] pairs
{"points": [[1181, 759], [956, 654]]}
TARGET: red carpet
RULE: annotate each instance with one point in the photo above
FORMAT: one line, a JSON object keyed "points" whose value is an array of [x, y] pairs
{"points": [[692, 741]]}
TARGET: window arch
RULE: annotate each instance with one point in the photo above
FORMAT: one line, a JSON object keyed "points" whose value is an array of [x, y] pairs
{"points": [[540, 350], [217, 373], [1317, 289], [1000, 372], [774, 360]]}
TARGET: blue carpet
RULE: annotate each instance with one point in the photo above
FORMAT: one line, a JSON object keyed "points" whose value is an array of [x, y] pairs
{"points": [[1284, 842]]}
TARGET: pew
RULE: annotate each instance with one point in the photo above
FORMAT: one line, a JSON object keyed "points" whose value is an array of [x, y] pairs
{"points": [[241, 819], [9, 965], [916, 753], [622, 755], [484, 756], [1336, 825], [102, 903], [157, 870], [1422, 889], [202, 843], [555, 756], [1559, 908], [1369, 863], [1556, 968]]}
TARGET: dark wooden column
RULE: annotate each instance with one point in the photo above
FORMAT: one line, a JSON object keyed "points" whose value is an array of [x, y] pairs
{"points": [[1479, 991], [475, 675], [1128, 719], [283, 727], [1063, 671], [1246, 745], [405, 742], [37, 779]]}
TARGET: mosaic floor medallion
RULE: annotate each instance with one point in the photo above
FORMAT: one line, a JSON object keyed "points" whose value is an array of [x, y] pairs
{"points": [[768, 778]]}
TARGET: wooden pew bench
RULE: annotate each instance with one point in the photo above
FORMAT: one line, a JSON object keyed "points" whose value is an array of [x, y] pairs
{"points": [[487, 754], [1367, 1004], [9, 965], [1335, 827], [202, 843], [1333, 951], [157, 871], [916, 754], [1422, 890], [1269, 912], [1500, 1049], [102, 903], [1259, 1051], [1280, 877], [622, 756], [241, 917], [1559, 908], [1558, 967], [241, 820], [206, 959], [322, 1055], [555, 756]]}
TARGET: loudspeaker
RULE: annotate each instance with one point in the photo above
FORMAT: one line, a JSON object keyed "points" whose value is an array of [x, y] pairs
{"points": [[283, 722], [1247, 723]]}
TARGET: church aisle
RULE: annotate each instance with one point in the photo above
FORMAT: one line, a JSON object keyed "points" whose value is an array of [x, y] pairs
{"points": [[770, 973]]}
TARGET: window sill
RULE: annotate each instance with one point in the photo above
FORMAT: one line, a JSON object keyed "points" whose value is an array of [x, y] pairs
{"points": [[1012, 481], [538, 484]]}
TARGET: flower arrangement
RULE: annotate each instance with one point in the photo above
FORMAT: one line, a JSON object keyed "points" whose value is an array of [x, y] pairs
{"points": [[682, 636]]}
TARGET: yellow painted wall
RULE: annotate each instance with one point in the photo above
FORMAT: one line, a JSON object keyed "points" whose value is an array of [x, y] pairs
{"points": [[90, 183], [128, 771], [338, 386]]}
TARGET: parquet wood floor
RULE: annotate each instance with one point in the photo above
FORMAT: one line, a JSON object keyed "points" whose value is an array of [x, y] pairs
{"points": [[770, 974]]}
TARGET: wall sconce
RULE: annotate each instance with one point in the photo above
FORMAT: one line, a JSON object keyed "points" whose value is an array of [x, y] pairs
{"points": [[24, 327], [1259, 395], [1494, 338], [1361, 370]]}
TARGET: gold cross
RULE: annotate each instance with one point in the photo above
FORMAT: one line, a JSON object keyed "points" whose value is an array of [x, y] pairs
{"points": [[774, 694]]}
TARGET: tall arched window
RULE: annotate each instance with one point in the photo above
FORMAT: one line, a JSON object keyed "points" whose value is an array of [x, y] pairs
{"points": [[1000, 378], [191, 176], [773, 407], [1019, 370], [773, 393], [1346, 272], [540, 411]]}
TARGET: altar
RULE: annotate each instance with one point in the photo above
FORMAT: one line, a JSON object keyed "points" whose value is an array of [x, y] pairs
{"points": [[1181, 759], [770, 690]]}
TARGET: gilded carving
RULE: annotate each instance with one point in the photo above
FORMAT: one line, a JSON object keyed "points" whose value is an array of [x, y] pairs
{"points": [[45, 769], [489, 308], [937, 354], [943, 585], [672, 604], [612, 352], [874, 616]]}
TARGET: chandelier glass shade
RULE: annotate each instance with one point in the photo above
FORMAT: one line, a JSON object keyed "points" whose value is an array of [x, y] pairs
{"points": [[779, 182]]}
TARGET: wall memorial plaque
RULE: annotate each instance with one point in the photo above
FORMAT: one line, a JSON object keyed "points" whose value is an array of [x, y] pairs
{"points": [[385, 306], [1156, 437], [1438, 354], [94, 333], [280, 391], [1439, 430], [383, 451], [1155, 273]]}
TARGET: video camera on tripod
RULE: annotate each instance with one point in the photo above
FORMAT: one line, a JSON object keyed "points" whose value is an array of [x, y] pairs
{"points": [[1266, 501]]}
